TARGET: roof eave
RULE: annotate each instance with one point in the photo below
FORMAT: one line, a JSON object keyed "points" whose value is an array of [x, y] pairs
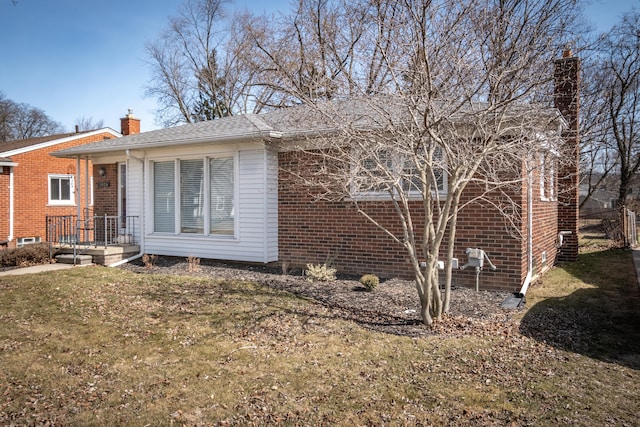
{"points": [[80, 152]]}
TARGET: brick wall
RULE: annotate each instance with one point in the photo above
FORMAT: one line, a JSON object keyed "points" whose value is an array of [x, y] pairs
{"points": [[315, 232], [567, 83], [545, 226], [105, 190], [31, 184]]}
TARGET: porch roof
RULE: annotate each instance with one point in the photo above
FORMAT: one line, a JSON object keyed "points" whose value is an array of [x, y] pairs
{"points": [[227, 129]]}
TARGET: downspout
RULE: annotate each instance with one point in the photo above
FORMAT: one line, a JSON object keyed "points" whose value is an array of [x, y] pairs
{"points": [[11, 204], [77, 189], [142, 215], [527, 279], [87, 183]]}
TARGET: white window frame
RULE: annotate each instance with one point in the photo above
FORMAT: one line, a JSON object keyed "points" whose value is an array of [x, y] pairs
{"points": [[548, 182], [72, 190], [206, 206], [24, 241], [398, 166]]}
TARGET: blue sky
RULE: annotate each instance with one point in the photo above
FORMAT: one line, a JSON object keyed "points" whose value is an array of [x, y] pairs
{"points": [[75, 58]]}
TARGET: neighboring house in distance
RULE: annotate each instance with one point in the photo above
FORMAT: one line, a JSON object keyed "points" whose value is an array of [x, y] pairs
{"points": [[34, 184], [216, 190], [604, 199]]}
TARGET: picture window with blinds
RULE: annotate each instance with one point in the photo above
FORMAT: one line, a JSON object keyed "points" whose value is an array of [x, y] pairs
{"points": [[195, 196]]}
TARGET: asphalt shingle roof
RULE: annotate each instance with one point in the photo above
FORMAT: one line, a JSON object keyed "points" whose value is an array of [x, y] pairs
{"points": [[24, 143], [226, 129], [284, 123]]}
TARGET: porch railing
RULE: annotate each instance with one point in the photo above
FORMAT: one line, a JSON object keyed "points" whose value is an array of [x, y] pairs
{"points": [[105, 230]]}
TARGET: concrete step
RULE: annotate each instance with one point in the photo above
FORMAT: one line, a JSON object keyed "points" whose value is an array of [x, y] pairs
{"points": [[80, 259]]}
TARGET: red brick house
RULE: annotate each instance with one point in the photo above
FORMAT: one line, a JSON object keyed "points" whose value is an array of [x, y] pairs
{"points": [[34, 184], [217, 190]]}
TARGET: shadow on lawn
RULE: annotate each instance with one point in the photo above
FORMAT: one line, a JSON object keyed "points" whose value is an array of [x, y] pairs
{"points": [[602, 321]]}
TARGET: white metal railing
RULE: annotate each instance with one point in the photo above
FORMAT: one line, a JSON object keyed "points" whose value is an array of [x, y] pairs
{"points": [[93, 231]]}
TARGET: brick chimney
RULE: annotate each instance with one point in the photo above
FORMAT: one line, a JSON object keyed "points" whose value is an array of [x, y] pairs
{"points": [[129, 125], [567, 100]]}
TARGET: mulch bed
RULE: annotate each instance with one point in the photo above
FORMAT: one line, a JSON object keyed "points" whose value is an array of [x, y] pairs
{"points": [[393, 307]]}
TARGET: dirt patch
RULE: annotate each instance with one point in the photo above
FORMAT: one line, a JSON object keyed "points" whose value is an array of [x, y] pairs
{"points": [[393, 307]]}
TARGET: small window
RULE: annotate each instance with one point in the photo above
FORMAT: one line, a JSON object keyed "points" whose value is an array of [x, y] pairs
{"points": [[548, 176], [23, 241], [376, 172], [61, 190]]}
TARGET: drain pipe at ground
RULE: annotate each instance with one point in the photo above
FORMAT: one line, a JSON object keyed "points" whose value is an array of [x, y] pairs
{"points": [[517, 299], [527, 280], [138, 255]]}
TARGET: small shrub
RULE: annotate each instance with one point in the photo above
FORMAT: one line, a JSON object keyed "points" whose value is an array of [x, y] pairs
{"points": [[320, 273], [25, 256], [193, 264], [370, 281], [148, 260]]}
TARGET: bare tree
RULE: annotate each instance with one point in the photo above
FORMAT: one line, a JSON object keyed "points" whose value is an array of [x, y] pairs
{"points": [[7, 114], [22, 121], [199, 67], [184, 65], [88, 123], [621, 92], [322, 50], [598, 157], [451, 124]]}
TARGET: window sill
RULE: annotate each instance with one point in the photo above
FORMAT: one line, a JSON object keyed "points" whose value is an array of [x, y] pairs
{"points": [[195, 237], [62, 205], [386, 197]]}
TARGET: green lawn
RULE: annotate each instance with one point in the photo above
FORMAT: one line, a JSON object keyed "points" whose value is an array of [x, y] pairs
{"points": [[99, 346]]}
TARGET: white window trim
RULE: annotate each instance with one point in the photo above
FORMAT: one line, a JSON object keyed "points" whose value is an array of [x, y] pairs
{"points": [[178, 220], [547, 176], [398, 164], [72, 190]]}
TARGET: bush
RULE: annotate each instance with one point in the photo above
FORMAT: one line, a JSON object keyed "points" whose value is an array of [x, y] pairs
{"points": [[320, 273], [369, 281], [25, 256]]}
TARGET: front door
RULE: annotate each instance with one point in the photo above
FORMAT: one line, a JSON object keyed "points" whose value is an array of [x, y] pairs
{"points": [[122, 198]]}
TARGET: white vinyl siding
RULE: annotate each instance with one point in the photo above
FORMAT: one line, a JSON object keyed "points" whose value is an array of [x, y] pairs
{"points": [[245, 199]]}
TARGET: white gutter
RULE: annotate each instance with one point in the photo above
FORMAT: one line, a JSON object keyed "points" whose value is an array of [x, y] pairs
{"points": [[142, 217]]}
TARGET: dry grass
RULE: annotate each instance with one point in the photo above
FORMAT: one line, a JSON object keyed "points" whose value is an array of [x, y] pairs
{"points": [[98, 346]]}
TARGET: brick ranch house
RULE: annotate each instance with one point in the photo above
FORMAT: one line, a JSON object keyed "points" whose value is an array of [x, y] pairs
{"points": [[34, 184], [216, 190]]}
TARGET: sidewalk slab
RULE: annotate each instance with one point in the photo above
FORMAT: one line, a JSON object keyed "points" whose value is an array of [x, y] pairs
{"points": [[36, 269]]}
